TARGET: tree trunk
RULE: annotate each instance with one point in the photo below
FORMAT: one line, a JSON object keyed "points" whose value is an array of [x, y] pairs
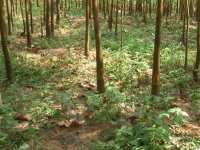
{"points": [[87, 30], [31, 15], [99, 53], [22, 13], [9, 17], [197, 63], [187, 33], [110, 21], [48, 23], [116, 23], [156, 56], [1, 100], [57, 12], [29, 41], [37, 3], [44, 10], [52, 17], [9, 73], [16, 7], [104, 9], [121, 38]]}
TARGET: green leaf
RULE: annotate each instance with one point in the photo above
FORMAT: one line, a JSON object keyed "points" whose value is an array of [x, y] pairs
{"points": [[178, 111], [163, 116], [24, 146]]}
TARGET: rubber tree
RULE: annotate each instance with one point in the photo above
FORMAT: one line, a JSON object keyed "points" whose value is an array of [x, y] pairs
{"points": [[31, 15], [155, 89], [52, 17], [110, 19], [99, 53], [28, 32], [87, 28], [9, 17], [197, 63], [48, 21], [57, 12], [186, 32], [8, 66], [22, 14]]}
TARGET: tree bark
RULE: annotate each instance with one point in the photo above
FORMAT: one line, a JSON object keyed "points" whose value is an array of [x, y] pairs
{"points": [[31, 15], [48, 23], [87, 28], [155, 90], [9, 73], [197, 63], [116, 23], [57, 12], [1, 100], [9, 17], [99, 54], [52, 17], [29, 40], [187, 33], [22, 13], [110, 21]]}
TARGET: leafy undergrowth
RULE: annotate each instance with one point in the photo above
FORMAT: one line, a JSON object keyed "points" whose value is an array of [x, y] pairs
{"points": [[53, 104]]}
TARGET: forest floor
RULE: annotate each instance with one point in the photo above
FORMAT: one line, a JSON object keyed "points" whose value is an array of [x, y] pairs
{"points": [[69, 133], [74, 132], [55, 80]]}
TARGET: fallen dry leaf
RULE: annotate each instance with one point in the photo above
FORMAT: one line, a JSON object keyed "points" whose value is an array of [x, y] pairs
{"points": [[23, 117], [68, 123], [74, 124]]}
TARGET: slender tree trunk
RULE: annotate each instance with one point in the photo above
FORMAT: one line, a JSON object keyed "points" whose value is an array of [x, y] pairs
{"points": [[124, 7], [65, 9], [52, 17], [29, 41], [9, 17], [12, 13], [87, 30], [16, 7], [44, 11], [37, 3], [116, 23], [177, 7], [156, 56], [107, 7], [184, 28], [1, 100], [57, 12], [41, 22], [9, 73], [145, 12], [150, 8], [167, 13], [110, 22], [48, 23], [187, 33], [104, 9], [22, 13], [197, 63], [99, 53], [122, 26], [31, 15]]}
